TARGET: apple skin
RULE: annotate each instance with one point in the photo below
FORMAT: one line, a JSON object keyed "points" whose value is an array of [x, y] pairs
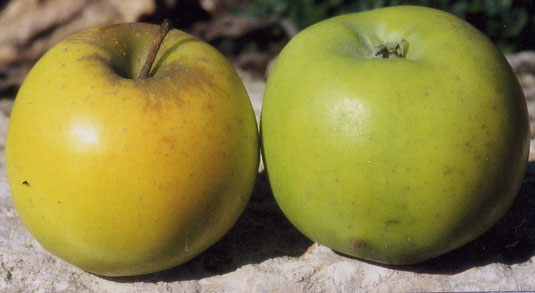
{"points": [[394, 160], [120, 176]]}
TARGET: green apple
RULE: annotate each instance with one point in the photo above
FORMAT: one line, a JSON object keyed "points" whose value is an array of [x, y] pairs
{"points": [[394, 135], [121, 175]]}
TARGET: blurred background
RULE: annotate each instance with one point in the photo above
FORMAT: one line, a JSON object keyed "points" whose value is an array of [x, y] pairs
{"points": [[249, 32]]}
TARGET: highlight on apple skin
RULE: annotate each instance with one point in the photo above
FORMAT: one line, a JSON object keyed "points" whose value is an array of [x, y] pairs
{"points": [[121, 175], [393, 135]]}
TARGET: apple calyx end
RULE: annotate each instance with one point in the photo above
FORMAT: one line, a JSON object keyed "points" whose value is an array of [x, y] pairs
{"points": [[391, 50]]}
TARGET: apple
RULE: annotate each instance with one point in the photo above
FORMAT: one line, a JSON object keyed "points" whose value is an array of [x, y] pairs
{"points": [[393, 135], [126, 175]]}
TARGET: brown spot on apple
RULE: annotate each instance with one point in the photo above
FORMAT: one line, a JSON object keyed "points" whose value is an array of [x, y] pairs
{"points": [[209, 107], [390, 222], [356, 242], [447, 170], [169, 142]]}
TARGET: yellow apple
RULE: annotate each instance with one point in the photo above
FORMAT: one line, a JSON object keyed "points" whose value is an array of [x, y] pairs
{"points": [[121, 175]]}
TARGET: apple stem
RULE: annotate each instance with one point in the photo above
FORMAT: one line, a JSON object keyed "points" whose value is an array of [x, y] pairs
{"points": [[158, 40]]}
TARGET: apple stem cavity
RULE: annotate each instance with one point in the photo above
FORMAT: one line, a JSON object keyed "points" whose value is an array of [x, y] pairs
{"points": [[158, 40], [391, 50]]}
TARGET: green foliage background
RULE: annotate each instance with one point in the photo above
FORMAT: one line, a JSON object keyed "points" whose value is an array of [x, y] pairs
{"points": [[510, 24]]}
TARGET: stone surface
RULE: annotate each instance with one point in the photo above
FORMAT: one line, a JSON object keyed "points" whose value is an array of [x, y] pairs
{"points": [[264, 253], [523, 64]]}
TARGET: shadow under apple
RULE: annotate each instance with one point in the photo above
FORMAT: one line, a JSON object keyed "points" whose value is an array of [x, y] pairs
{"points": [[511, 241], [262, 232]]}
